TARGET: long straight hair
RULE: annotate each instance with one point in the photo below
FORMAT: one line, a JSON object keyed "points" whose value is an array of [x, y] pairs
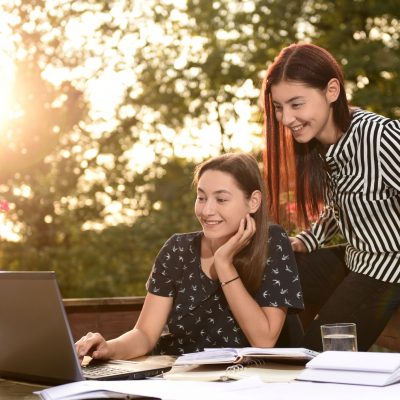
{"points": [[291, 167], [250, 261]]}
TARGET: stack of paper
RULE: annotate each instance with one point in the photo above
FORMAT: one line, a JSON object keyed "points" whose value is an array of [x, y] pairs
{"points": [[360, 368]]}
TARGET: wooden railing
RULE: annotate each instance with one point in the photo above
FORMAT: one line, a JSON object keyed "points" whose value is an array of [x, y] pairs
{"points": [[116, 315], [111, 316]]}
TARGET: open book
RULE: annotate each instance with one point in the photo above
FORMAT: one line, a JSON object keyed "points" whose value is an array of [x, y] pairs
{"points": [[360, 368], [238, 355], [267, 371]]}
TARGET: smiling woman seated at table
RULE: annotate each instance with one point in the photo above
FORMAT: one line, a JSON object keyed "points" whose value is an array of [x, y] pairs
{"points": [[229, 285]]}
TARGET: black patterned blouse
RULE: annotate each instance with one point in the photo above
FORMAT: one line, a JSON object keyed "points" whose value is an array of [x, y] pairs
{"points": [[200, 316]]}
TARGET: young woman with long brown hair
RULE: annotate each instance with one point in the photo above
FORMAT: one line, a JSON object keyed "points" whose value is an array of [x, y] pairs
{"points": [[229, 285], [340, 164]]}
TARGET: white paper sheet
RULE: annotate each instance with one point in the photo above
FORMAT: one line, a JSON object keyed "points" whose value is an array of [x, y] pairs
{"points": [[166, 390], [251, 388]]}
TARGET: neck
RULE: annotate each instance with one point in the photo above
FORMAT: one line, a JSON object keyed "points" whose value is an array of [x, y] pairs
{"points": [[208, 250], [212, 245], [330, 133]]}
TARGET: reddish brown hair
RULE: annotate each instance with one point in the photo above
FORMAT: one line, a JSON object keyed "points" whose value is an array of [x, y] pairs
{"points": [[291, 167]]}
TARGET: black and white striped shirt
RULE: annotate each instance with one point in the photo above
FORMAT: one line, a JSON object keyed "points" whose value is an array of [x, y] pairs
{"points": [[364, 197]]}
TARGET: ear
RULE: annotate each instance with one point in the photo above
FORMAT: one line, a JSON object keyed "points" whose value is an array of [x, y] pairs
{"points": [[255, 201], [332, 90]]}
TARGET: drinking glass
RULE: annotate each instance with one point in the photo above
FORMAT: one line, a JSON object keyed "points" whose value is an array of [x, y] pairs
{"points": [[339, 337]]}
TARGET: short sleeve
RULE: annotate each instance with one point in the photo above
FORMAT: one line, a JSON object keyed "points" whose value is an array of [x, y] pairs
{"points": [[281, 283], [164, 275]]}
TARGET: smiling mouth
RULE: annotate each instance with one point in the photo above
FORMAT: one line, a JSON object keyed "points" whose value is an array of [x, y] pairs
{"points": [[211, 223], [296, 129]]}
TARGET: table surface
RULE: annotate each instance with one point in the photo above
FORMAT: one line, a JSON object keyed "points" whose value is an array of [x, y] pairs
{"points": [[11, 390]]}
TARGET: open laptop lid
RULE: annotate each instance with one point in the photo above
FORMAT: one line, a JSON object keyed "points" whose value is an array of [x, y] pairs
{"points": [[35, 339]]}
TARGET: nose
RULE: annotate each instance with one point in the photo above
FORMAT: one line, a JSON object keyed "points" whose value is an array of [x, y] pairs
{"points": [[287, 117], [209, 207]]}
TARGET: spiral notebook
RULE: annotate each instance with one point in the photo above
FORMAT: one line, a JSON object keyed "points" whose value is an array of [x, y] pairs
{"points": [[267, 371], [229, 355]]}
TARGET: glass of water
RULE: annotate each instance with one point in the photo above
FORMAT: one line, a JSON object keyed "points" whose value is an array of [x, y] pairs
{"points": [[339, 337]]}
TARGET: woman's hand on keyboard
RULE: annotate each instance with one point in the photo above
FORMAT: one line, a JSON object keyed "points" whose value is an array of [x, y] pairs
{"points": [[93, 345]]}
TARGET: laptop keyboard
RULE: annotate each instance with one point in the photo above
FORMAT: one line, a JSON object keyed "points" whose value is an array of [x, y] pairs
{"points": [[97, 371]]}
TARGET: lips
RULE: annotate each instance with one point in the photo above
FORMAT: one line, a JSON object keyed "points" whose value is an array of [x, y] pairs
{"points": [[211, 222], [296, 129]]}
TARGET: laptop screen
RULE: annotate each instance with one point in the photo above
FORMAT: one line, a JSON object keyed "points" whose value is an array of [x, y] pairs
{"points": [[35, 340]]}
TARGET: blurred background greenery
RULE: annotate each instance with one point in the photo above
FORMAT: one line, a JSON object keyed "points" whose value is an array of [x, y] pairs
{"points": [[106, 106]]}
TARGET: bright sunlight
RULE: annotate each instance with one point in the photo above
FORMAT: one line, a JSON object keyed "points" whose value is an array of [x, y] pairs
{"points": [[6, 84]]}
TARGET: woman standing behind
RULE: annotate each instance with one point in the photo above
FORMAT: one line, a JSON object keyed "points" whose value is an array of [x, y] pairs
{"points": [[344, 163], [215, 287]]}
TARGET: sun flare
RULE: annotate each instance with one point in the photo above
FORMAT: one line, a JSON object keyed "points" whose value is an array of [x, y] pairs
{"points": [[6, 87]]}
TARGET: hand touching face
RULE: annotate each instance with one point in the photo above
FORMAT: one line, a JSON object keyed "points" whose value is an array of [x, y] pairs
{"points": [[237, 242]]}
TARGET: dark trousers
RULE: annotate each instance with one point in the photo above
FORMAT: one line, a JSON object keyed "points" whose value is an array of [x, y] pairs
{"points": [[340, 295]]}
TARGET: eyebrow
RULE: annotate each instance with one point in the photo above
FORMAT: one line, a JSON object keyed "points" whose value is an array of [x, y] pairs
{"points": [[290, 100], [222, 191]]}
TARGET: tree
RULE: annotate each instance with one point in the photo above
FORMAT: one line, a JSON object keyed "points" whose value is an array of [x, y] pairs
{"points": [[364, 36], [44, 142], [202, 68]]}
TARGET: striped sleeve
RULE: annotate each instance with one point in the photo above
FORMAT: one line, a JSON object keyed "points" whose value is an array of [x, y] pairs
{"points": [[364, 189], [321, 231], [389, 155]]}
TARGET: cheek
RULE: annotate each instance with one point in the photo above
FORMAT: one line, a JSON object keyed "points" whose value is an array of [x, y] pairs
{"points": [[278, 116], [237, 216], [318, 110], [197, 209]]}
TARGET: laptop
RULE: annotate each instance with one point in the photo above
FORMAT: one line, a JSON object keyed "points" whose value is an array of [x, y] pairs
{"points": [[36, 343]]}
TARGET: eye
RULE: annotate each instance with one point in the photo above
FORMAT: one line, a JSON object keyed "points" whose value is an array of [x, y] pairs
{"points": [[221, 200], [297, 105], [278, 108], [200, 198]]}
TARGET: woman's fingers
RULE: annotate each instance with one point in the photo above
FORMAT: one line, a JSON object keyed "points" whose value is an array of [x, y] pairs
{"points": [[297, 245], [238, 241], [250, 228], [88, 344], [246, 231]]}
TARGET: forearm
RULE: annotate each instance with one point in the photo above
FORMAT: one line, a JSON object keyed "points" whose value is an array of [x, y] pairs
{"points": [[144, 336], [131, 344]]}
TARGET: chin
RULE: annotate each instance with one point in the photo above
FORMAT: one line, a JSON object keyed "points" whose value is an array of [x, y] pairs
{"points": [[302, 139], [217, 236]]}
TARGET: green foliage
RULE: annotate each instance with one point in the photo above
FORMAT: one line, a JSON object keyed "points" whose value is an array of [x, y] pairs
{"points": [[117, 260], [209, 65], [364, 35]]}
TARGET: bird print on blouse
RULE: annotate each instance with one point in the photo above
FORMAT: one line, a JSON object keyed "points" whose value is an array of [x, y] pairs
{"points": [[200, 316]]}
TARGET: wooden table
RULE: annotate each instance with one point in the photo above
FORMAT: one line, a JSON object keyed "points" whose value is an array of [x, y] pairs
{"points": [[11, 390]]}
